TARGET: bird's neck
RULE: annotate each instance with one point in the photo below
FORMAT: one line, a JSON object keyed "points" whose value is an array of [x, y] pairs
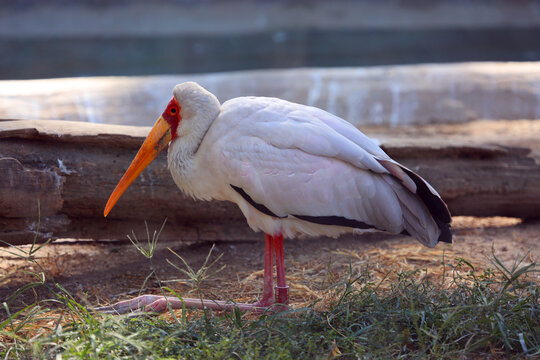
{"points": [[191, 133], [199, 109], [180, 159]]}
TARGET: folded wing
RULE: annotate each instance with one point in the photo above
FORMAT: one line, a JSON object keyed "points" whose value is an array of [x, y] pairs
{"points": [[303, 162]]}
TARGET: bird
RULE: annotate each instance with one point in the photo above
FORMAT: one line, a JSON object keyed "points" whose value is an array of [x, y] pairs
{"points": [[292, 169]]}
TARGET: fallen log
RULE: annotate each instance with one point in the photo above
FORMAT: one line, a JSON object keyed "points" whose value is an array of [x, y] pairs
{"points": [[70, 169]]}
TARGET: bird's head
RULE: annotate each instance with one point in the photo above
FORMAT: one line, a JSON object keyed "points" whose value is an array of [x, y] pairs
{"points": [[163, 132], [188, 115]]}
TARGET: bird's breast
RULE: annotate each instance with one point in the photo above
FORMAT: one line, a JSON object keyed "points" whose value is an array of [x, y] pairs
{"points": [[194, 174]]}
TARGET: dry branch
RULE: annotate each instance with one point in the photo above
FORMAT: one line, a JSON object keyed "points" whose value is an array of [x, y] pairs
{"points": [[71, 168]]}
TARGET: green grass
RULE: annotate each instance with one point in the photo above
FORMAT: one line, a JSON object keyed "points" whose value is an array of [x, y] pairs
{"points": [[473, 314], [469, 313]]}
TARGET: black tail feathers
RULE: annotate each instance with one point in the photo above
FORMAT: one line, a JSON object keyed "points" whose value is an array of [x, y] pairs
{"points": [[435, 205]]}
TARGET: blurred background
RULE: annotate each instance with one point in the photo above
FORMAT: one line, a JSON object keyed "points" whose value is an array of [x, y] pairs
{"points": [[388, 62], [63, 38]]}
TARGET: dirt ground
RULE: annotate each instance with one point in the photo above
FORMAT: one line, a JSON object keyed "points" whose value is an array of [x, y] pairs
{"points": [[104, 272]]}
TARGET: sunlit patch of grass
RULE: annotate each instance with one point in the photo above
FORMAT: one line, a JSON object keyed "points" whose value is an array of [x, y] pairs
{"points": [[493, 312], [465, 312]]}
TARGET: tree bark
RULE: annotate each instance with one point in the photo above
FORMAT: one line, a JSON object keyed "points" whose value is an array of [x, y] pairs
{"points": [[56, 176]]}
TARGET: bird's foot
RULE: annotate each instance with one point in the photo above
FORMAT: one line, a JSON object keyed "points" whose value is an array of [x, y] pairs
{"points": [[282, 298], [159, 304], [264, 303], [282, 294], [277, 304]]}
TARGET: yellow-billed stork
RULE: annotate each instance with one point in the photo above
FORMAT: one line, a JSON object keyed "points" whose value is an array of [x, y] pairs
{"points": [[291, 169]]}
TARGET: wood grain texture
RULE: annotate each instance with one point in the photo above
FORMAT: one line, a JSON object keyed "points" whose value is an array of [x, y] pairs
{"points": [[71, 168]]}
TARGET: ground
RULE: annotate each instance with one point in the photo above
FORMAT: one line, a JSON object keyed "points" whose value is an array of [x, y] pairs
{"points": [[104, 272]]}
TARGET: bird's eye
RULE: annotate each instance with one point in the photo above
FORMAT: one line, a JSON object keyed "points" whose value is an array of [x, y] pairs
{"points": [[173, 111]]}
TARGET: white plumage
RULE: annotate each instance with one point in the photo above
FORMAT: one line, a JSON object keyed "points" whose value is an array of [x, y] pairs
{"points": [[292, 170], [296, 161]]}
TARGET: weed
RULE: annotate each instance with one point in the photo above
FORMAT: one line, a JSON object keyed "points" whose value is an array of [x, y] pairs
{"points": [[197, 277], [492, 313], [148, 251]]}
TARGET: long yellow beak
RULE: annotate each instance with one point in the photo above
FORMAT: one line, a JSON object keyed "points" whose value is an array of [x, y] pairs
{"points": [[157, 140]]}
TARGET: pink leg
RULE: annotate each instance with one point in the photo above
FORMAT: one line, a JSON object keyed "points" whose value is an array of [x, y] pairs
{"points": [[282, 290], [268, 281], [156, 303]]}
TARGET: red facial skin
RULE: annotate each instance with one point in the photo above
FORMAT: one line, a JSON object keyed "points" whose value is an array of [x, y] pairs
{"points": [[172, 115]]}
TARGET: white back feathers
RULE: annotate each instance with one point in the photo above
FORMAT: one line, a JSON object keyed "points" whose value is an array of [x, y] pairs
{"points": [[295, 169]]}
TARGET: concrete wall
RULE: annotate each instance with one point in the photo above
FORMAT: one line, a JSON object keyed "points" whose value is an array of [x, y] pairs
{"points": [[392, 95]]}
